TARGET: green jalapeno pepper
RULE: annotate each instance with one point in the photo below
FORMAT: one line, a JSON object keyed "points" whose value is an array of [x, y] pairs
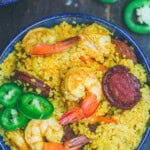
{"points": [[11, 119], [35, 107], [9, 94], [108, 1], [128, 17]]}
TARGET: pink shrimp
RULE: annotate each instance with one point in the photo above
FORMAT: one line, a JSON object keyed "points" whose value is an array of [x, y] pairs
{"points": [[52, 131], [81, 83], [46, 49]]}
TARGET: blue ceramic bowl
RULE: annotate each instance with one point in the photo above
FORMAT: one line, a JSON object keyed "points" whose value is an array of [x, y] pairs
{"points": [[86, 19], [6, 2]]}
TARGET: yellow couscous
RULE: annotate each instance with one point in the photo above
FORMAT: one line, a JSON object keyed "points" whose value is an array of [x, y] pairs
{"points": [[93, 50]]}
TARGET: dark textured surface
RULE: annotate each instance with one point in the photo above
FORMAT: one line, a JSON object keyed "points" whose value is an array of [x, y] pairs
{"points": [[15, 17], [5, 2]]}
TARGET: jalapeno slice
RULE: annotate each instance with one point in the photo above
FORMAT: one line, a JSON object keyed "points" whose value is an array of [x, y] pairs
{"points": [[12, 119], [35, 106], [9, 94], [128, 17]]}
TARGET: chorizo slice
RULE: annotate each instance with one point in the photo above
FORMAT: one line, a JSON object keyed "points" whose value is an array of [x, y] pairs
{"points": [[124, 50], [69, 134], [32, 81], [92, 127], [121, 88]]}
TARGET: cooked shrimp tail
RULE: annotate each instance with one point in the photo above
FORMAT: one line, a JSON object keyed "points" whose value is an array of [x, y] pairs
{"points": [[88, 107], [52, 146], [72, 116], [47, 49], [89, 104]]}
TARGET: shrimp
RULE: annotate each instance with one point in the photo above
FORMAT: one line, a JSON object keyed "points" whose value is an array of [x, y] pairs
{"points": [[50, 130], [18, 139], [94, 38], [46, 49], [97, 39], [81, 83]]}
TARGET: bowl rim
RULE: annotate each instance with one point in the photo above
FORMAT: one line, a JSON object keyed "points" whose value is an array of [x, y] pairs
{"points": [[146, 61], [84, 16]]}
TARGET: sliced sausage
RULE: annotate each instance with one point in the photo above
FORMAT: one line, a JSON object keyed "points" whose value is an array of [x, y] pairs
{"points": [[124, 50], [68, 133], [121, 88], [32, 81], [92, 127]]}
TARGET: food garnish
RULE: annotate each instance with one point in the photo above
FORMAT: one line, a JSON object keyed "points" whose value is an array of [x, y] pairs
{"points": [[11, 119], [143, 9], [9, 94], [35, 106]]}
